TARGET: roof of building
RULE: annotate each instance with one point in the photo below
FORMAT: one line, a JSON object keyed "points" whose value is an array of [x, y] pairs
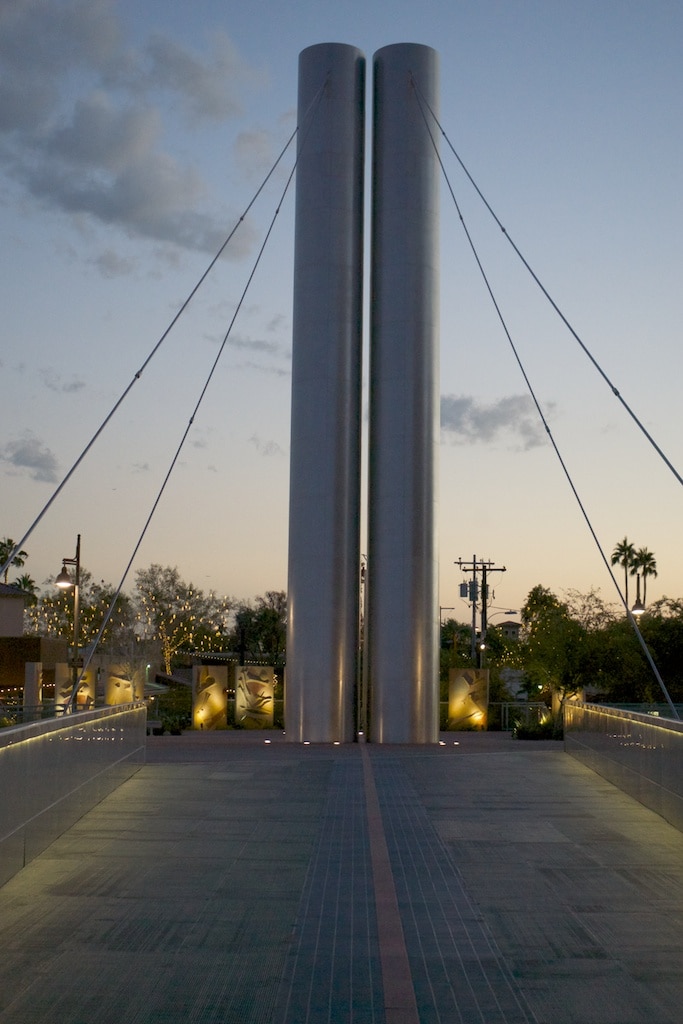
{"points": [[9, 590]]}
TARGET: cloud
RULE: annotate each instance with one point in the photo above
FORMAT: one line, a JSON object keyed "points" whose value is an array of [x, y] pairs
{"points": [[41, 44], [254, 153], [100, 134], [110, 264], [53, 380], [277, 322], [84, 120], [60, 34], [254, 344], [257, 347], [151, 196], [470, 422], [208, 86], [143, 198], [274, 371], [29, 453], [266, 448]]}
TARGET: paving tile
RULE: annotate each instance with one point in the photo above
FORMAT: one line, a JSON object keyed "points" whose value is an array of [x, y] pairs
{"points": [[231, 881]]}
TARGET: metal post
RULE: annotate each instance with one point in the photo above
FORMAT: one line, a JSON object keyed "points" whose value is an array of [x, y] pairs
{"points": [[324, 510], [473, 645], [64, 581], [402, 596]]}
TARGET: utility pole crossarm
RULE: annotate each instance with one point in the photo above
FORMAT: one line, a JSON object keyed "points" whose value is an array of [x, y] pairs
{"points": [[485, 567]]}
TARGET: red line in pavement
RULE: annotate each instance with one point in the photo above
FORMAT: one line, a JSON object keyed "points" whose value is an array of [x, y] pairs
{"points": [[400, 1005]]}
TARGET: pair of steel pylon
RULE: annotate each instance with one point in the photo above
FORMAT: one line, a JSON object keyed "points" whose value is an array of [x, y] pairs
{"points": [[399, 691]]}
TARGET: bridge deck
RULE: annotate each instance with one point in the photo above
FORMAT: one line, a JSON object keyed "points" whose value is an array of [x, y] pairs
{"points": [[234, 881]]}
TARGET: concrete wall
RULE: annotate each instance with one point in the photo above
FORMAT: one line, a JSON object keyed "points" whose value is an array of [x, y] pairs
{"points": [[639, 753], [17, 651], [53, 772], [11, 614]]}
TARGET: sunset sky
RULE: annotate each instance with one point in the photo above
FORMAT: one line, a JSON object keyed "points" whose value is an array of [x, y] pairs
{"points": [[132, 138]]}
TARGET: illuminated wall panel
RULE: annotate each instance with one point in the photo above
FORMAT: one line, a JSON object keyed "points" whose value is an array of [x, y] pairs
{"points": [[254, 697], [210, 696], [85, 698], [120, 688], [468, 698]]}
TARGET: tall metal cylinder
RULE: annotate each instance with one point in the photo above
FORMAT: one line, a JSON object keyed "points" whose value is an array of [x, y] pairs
{"points": [[402, 597], [324, 502]]}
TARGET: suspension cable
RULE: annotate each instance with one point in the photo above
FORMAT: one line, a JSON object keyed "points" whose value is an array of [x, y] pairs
{"points": [[615, 391], [149, 358], [545, 423], [188, 427], [110, 610]]}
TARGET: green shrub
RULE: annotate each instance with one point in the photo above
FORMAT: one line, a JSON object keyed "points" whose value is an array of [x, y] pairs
{"points": [[549, 729]]}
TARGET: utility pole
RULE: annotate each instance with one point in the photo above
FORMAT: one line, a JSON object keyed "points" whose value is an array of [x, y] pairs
{"points": [[472, 590]]}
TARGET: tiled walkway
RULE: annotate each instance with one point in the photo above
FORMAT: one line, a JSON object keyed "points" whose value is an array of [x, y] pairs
{"points": [[234, 882]]}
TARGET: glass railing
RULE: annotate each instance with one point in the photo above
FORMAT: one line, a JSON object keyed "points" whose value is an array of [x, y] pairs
{"points": [[641, 753], [54, 770]]}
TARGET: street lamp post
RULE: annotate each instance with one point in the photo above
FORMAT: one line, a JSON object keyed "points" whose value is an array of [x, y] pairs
{"points": [[638, 607], [64, 581], [444, 608], [482, 643], [508, 611]]}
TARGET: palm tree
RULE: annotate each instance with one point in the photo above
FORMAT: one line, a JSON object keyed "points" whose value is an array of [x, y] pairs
{"points": [[28, 585], [623, 555], [644, 564], [6, 548]]}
